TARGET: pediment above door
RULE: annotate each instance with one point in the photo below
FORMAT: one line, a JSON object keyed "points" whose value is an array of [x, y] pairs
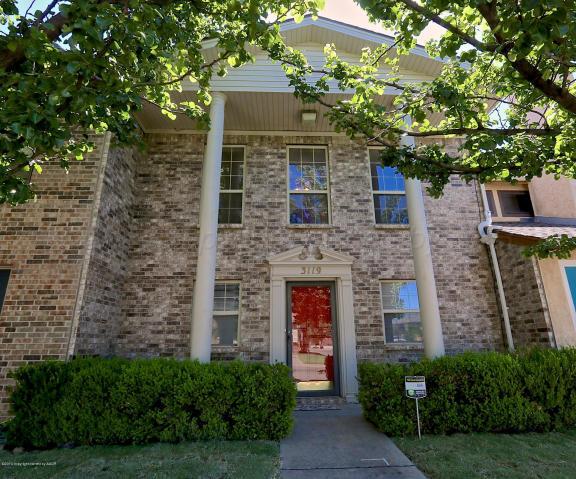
{"points": [[294, 256]]}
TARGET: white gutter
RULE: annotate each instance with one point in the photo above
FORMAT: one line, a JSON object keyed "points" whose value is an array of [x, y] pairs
{"points": [[488, 237]]}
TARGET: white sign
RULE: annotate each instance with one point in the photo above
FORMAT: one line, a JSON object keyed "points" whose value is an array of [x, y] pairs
{"points": [[415, 386]]}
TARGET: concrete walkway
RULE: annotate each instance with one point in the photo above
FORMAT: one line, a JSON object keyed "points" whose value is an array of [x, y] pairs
{"points": [[340, 444]]}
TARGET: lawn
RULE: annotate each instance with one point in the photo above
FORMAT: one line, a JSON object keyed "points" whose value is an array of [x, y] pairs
{"points": [[218, 459], [480, 456]]}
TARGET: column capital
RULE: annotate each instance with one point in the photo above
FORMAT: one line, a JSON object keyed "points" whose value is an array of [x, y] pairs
{"points": [[218, 97]]}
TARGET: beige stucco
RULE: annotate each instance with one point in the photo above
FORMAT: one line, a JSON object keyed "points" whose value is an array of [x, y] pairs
{"points": [[551, 197], [559, 300]]}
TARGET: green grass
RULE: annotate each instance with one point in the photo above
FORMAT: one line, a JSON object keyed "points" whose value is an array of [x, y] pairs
{"points": [[510, 456], [218, 459]]}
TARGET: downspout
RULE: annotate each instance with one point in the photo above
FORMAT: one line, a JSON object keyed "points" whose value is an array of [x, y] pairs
{"points": [[488, 237]]}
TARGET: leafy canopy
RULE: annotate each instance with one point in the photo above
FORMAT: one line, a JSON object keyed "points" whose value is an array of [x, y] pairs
{"points": [[507, 89], [87, 66]]}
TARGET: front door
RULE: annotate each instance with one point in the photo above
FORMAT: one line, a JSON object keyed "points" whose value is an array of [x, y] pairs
{"points": [[312, 345]]}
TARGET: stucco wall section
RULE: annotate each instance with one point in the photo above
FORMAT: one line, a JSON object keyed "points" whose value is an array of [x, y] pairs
{"points": [[101, 309], [527, 306], [552, 197], [559, 299], [43, 243], [163, 249]]}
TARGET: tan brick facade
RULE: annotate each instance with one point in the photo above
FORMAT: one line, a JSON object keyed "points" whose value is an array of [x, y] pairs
{"points": [[136, 289], [527, 306], [44, 244]]}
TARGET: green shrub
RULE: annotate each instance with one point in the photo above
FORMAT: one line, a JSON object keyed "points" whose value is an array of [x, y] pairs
{"points": [[120, 401], [475, 392]]}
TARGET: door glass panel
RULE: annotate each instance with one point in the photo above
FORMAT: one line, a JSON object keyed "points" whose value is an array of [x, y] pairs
{"points": [[312, 346]]}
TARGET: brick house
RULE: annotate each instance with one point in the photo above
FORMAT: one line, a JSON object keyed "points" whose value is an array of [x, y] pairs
{"points": [[273, 238]]}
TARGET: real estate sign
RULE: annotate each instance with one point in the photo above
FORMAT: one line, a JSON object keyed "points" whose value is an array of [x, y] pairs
{"points": [[415, 386]]}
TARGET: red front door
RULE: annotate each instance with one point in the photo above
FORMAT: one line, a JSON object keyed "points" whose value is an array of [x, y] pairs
{"points": [[312, 338]]}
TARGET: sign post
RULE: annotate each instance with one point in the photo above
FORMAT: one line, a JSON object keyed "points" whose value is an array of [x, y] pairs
{"points": [[415, 387]]}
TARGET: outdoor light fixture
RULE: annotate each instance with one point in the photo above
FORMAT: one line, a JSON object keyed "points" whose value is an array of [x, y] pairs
{"points": [[308, 117]]}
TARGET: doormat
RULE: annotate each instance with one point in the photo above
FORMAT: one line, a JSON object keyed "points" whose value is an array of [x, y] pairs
{"points": [[317, 407], [319, 404]]}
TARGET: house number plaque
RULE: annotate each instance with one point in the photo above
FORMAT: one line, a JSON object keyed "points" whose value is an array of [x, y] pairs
{"points": [[311, 270]]}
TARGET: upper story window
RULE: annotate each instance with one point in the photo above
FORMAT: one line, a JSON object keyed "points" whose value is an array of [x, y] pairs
{"points": [[231, 185], [226, 314], [509, 201], [388, 192], [401, 312], [308, 185], [4, 277]]}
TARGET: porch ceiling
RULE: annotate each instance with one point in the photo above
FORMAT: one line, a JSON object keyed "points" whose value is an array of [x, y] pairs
{"points": [[250, 111]]}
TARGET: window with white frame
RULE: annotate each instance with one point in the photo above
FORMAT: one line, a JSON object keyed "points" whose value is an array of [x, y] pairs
{"points": [[226, 314], [401, 312], [388, 192], [308, 185], [231, 185]]}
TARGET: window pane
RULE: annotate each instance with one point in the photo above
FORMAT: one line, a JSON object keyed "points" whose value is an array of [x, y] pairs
{"points": [[309, 208], [384, 178], [232, 170], [226, 297], [225, 330], [491, 202], [515, 203], [402, 327], [391, 209], [399, 295], [308, 169], [4, 277], [230, 208]]}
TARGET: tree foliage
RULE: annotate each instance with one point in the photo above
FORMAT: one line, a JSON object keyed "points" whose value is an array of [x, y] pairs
{"points": [[87, 66], [507, 88]]}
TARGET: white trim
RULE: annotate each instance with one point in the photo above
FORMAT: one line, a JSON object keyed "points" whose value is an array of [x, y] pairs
{"points": [[244, 166], [334, 266], [174, 131], [351, 31], [563, 264], [326, 192]]}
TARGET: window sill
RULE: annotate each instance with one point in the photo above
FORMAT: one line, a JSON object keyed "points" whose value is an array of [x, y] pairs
{"points": [[231, 226], [404, 346], [310, 227], [391, 227], [223, 349]]}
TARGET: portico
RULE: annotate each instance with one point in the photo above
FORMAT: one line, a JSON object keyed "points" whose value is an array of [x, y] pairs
{"points": [[257, 100]]}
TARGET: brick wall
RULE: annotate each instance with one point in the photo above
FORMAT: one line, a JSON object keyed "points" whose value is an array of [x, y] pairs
{"points": [[134, 275], [44, 243], [102, 294], [529, 316], [158, 294]]}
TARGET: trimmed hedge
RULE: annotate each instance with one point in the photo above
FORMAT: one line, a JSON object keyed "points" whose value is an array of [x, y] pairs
{"points": [[120, 401], [475, 392]]}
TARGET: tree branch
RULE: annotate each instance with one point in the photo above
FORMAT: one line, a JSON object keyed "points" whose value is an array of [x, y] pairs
{"points": [[527, 71], [438, 20]]}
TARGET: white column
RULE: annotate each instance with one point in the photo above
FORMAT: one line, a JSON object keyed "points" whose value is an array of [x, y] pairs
{"points": [[203, 302], [427, 295]]}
